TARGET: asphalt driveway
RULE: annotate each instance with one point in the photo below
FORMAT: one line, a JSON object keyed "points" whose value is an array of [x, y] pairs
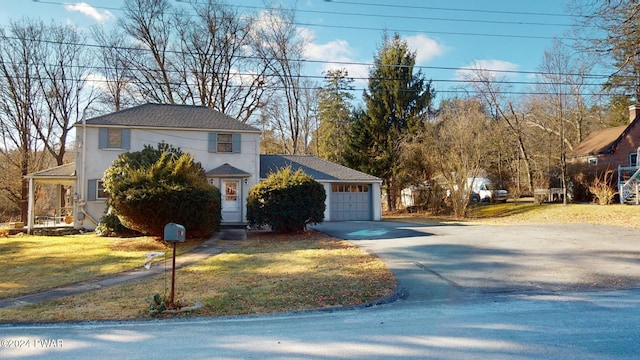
{"points": [[447, 262]]}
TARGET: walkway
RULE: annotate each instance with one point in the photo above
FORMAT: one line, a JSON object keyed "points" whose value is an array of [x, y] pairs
{"points": [[203, 251]]}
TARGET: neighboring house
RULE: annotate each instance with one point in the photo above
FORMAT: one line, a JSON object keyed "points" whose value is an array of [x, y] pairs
{"points": [[227, 149], [612, 152]]}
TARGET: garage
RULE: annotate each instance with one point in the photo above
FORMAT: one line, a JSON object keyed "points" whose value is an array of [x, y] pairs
{"points": [[351, 194], [350, 202]]}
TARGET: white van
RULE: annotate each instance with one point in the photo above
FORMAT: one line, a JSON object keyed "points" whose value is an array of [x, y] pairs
{"points": [[483, 189]]}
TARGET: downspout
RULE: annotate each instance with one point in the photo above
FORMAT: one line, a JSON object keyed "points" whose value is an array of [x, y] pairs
{"points": [[30, 208]]}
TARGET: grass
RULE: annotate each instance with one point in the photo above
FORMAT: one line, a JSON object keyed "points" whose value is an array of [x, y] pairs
{"points": [[530, 213], [35, 263], [264, 274]]}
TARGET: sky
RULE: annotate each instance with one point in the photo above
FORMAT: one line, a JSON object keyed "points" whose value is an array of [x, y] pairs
{"points": [[447, 36]]}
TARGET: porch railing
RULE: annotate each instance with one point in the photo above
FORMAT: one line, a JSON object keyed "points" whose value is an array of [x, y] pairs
{"points": [[629, 185]]}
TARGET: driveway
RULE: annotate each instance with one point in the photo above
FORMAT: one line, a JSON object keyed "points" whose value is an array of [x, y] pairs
{"points": [[448, 262]]}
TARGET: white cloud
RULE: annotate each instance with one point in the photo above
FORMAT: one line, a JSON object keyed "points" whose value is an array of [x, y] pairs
{"points": [[86, 9], [492, 68], [425, 47]]}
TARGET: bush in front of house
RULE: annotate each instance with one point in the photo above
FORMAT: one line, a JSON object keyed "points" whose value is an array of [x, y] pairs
{"points": [[286, 201], [110, 225], [150, 188]]}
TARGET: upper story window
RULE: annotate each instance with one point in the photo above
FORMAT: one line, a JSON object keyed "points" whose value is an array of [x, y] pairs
{"points": [[592, 161], [633, 159], [114, 138], [224, 142]]}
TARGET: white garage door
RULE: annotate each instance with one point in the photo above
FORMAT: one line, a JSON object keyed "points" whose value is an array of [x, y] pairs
{"points": [[350, 202]]}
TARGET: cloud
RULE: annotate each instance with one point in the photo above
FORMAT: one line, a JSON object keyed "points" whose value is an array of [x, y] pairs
{"points": [[425, 47], [492, 68], [86, 9]]}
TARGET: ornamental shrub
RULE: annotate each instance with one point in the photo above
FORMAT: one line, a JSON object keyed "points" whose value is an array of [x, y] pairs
{"points": [[150, 188], [286, 201]]}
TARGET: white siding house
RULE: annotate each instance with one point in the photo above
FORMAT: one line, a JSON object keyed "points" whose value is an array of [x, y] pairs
{"points": [[227, 149]]}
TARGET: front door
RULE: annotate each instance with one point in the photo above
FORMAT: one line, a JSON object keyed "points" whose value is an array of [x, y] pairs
{"points": [[231, 199]]}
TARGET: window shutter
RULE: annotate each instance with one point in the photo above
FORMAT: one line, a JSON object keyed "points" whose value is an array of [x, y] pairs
{"points": [[213, 142], [91, 189], [103, 138], [236, 143], [125, 137]]}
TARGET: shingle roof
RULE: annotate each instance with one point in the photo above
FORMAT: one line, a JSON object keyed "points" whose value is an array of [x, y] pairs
{"points": [[170, 116], [227, 170], [315, 167], [64, 171], [63, 174], [600, 141]]}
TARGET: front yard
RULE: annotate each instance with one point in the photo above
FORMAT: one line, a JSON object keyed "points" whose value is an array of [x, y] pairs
{"points": [[265, 273]]}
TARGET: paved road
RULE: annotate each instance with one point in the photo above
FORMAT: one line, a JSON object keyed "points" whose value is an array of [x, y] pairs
{"points": [[474, 292], [482, 259]]}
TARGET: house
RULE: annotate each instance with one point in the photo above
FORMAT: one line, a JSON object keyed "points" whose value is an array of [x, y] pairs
{"points": [[613, 152], [227, 149]]}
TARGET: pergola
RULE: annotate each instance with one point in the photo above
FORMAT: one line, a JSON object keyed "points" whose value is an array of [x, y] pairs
{"points": [[63, 175]]}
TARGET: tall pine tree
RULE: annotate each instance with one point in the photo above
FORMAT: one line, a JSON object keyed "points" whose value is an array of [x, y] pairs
{"points": [[397, 102], [334, 109]]}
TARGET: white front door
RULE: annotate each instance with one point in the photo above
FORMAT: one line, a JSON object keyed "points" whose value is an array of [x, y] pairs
{"points": [[231, 198]]}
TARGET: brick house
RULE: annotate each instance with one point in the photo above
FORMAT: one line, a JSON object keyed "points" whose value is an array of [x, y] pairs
{"points": [[612, 154]]}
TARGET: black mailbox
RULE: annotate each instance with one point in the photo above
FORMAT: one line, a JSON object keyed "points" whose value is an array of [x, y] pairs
{"points": [[174, 232]]}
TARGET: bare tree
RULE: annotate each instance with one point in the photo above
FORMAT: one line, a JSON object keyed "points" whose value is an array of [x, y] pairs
{"points": [[457, 148], [149, 23], [277, 42], [20, 104], [216, 67], [559, 109], [504, 109], [115, 67], [63, 80]]}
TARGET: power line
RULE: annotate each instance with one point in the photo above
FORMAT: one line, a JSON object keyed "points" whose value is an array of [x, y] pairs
{"points": [[377, 29], [416, 7], [322, 62]]}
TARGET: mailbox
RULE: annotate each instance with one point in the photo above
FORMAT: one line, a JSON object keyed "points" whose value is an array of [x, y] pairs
{"points": [[174, 232]]}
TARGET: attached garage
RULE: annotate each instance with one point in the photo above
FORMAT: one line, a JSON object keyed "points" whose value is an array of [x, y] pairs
{"points": [[351, 194], [351, 202]]}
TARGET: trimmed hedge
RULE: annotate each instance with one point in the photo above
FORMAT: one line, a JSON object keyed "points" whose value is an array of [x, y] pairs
{"points": [[286, 201]]}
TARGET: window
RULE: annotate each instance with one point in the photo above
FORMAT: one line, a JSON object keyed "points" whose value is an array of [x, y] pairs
{"points": [[114, 138], [224, 143], [96, 191], [592, 161], [101, 193], [633, 159]]}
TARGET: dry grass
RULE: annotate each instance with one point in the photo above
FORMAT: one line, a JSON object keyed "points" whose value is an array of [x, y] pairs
{"points": [[530, 213], [264, 274], [36, 263]]}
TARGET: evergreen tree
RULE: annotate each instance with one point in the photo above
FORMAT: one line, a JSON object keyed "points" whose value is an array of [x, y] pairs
{"points": [[334, 115], [397, 102]]}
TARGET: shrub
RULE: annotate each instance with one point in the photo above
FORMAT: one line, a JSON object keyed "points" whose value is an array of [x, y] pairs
{"points": [[602, 191], [286, 201], [110, 225], [152, 187]]}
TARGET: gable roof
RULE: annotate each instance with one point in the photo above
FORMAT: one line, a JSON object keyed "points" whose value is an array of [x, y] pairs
{"points": [[170, 116], [600, 141], [226, 170], [315, 167]]}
